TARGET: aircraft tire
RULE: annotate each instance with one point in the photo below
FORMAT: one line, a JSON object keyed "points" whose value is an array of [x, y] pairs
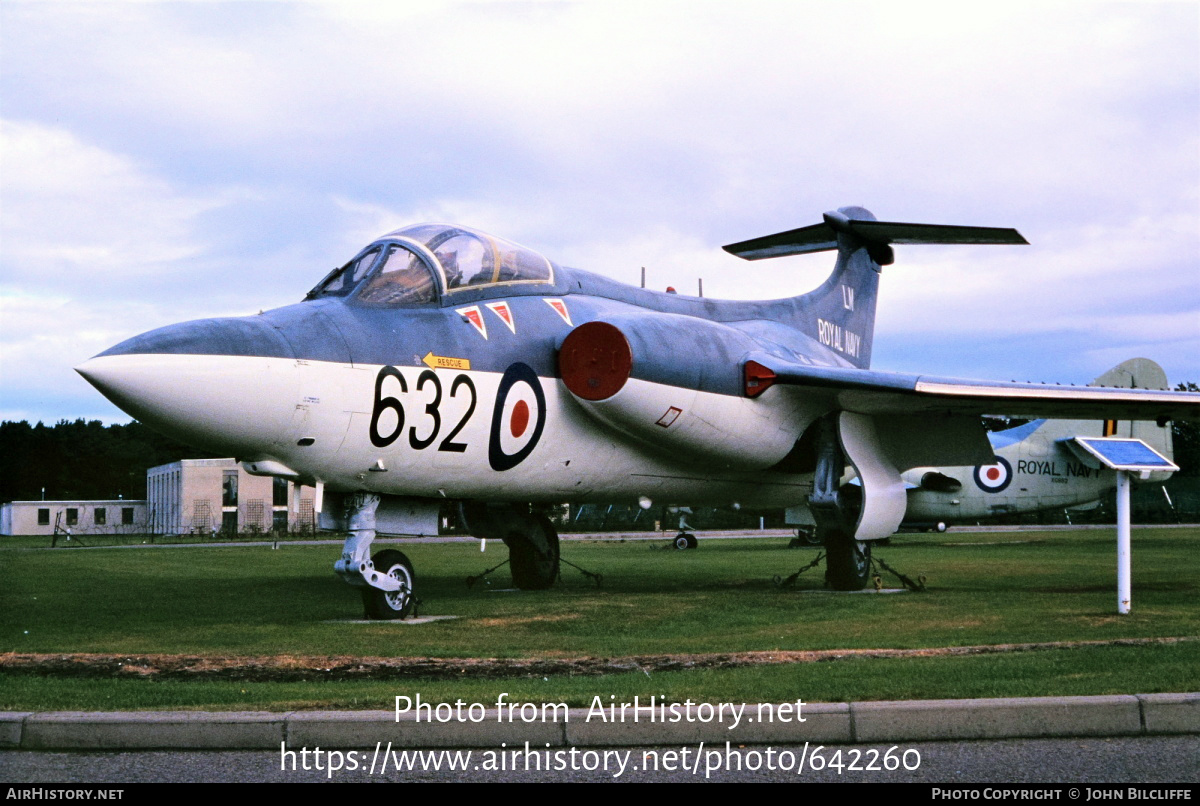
{"points": [[533, 555], [391, 605], [685, 540], [847, 562]]}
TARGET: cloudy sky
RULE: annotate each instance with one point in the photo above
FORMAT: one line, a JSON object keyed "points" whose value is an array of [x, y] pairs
{"points": [[170, 161]]}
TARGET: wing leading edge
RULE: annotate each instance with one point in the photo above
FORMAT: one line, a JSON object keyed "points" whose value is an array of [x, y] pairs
{"points": [[874, 392]]}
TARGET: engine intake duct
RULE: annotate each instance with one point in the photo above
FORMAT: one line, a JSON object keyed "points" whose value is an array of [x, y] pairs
{"points": [[675, 382], [940, 483]]}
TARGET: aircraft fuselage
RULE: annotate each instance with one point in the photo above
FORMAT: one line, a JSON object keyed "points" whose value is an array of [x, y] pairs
{"points": [[1030, 474], [462, 401]]}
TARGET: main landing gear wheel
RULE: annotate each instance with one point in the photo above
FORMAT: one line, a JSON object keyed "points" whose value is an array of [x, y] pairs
{"points": [[533, 555], [847, 561], [390, 605], [685, 540]]}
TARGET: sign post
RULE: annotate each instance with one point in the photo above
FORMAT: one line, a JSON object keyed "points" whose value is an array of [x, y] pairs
{"points": [[1124, 585]]}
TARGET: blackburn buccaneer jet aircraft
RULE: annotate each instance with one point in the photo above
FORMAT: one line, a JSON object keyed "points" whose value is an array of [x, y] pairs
{"points": [[442, 364]]}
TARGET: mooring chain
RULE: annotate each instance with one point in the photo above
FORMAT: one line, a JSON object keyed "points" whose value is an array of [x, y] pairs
{"points": [[919, 585], [877, 578], [472, 580], [790, 582], [597, 578]]}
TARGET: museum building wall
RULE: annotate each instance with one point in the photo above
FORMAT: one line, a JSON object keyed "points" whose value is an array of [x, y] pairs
{"points": [[208, 496]]}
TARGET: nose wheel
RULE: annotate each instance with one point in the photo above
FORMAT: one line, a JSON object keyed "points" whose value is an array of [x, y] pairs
{"points": [[386, 605]]}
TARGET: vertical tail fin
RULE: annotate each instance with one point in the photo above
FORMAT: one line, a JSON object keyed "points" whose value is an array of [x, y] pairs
{"points": [[841, 313], [1140, 373]]}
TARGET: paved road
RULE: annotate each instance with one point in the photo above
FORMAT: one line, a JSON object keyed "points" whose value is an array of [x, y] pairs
{"points": [[1141, 760]]}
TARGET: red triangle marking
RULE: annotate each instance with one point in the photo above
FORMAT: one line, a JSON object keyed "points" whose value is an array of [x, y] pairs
{"points": [[502, 310], [475, 317], [560, 308]]}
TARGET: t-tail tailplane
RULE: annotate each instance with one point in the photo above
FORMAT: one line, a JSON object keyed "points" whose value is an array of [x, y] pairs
{"points": [[841, 313]]}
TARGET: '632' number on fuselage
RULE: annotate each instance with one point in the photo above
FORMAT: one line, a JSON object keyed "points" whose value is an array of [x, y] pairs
{"points": [[426, 424]]}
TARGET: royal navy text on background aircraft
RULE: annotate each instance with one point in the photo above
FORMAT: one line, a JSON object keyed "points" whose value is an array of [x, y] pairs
{"points": [[444, 364]]}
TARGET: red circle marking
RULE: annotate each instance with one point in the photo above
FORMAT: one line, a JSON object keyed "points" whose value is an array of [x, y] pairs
{"points": [[993, 473], [520, 418], [595, 361]]}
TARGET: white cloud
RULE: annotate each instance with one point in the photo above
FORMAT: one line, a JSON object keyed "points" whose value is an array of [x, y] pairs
{"points": [[78, 216]]}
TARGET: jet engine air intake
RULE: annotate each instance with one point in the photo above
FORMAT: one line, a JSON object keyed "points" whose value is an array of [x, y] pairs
{"points": [[940, 482], [595, 361], [630, 373]]}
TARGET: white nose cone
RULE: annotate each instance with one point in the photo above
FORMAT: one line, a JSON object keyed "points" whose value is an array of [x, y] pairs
{"points": [[228, 404]]}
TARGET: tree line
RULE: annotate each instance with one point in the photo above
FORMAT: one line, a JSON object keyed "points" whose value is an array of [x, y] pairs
{"points": [[82, 460]]}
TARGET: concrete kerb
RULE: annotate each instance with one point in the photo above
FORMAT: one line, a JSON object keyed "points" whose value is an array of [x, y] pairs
{"points": [[825, 723], [138, 730], [11, 725], [1032, 717], [1170, 713]]}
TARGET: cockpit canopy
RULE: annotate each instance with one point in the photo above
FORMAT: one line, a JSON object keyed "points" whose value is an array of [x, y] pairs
{"points": [[418, 264]]}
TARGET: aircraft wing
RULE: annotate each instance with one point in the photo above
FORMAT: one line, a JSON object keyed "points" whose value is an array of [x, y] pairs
{"points": [[873, 392]]}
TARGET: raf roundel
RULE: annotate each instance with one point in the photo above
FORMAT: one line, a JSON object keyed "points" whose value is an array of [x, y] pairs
{"points": [[994, 478], [518, 417]]}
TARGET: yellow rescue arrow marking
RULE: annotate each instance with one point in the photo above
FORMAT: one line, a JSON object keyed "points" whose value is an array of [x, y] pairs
{"points": [[443, 362]]}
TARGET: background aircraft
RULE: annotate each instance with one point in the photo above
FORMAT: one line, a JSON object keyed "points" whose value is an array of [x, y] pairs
{"points": [[442, 364], [1035, 467]]}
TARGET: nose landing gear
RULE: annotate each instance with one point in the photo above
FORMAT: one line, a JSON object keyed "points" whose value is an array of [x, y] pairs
{"points": [[386, 581]]}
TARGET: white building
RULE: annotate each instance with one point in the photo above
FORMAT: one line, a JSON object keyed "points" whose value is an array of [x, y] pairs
{"points": [[195, 496], [115, 517]]}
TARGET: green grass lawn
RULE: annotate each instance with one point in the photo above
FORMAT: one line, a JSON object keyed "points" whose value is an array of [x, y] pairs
{"points": [[983, 588]]}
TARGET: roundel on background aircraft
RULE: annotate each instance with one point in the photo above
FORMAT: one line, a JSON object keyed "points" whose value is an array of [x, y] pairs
{"points": [[517, 418], [993, 478]]}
